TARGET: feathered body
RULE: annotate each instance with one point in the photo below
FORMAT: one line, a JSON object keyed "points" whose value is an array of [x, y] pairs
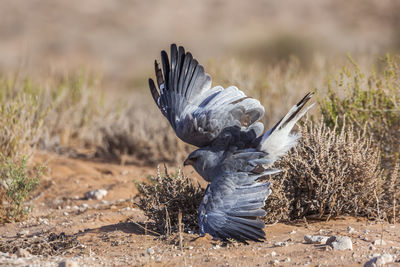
{"points": [[234, 154]]}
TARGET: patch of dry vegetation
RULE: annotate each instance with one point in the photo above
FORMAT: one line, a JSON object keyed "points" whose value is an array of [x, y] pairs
{"points": [[328, 174], [166, 196], [44, 245], [139, 134]]}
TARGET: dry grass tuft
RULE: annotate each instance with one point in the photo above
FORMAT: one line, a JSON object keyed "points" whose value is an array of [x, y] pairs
{"points": [[140, 135], [330, 174], [49, 245], [166, 196]]}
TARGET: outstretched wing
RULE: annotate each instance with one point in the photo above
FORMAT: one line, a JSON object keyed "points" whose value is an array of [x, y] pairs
{"points": [[197, 112], [233, 202]]}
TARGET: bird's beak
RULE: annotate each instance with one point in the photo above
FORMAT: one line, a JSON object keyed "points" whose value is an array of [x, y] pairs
{"points": [[188, 162]]}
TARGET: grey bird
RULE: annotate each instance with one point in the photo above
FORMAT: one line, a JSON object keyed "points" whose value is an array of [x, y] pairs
{"points": [[234, 154]]}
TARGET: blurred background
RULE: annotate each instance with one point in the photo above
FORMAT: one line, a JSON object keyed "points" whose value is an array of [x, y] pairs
{"points": [[120, 39], [85, 64]]}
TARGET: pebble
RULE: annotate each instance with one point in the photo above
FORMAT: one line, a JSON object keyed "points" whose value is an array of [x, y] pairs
{"points": [[150, 251], [43, 221], [379, 242], [65, 213], [274, 262], [350, 230], [68, 263], [23, 253], [340, 242], [380, 260], [96, 194], [273, 253], [281, 244], [292, 232], [23, 233], [315, 239]]}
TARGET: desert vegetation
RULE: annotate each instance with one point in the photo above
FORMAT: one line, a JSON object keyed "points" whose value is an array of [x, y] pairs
{"points": [[349, 147]]}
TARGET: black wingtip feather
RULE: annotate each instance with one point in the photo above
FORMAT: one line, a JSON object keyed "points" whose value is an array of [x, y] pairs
{"points": [[159, 75], [154, 91], [174, 57], [165, 66]]}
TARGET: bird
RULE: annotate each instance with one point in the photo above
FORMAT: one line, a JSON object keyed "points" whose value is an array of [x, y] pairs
{"points": [[234, 153]]}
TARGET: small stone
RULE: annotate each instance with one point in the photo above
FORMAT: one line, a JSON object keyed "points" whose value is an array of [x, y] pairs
{"points": [[379, 260], [43, 221], [159, 258], [350, 230], [379, 242], [287, 260], [340, 242], [150, 251], [65, 213], [75, 207], [371, 247], [315, 239], [96, 194], [23, 253], [274, 262], [216, 247], [292, 232], [68, 263], [23, 233], [281, 244], [190, 247], [273, 254]]}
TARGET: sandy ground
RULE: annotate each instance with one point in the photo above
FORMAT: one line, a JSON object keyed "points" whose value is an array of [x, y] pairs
{"points": [[112, 231]]}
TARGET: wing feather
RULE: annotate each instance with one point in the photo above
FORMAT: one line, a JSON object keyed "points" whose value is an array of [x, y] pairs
{"points": [[197, 112]]}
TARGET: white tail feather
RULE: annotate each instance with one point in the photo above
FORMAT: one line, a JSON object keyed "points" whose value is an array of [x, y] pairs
{"points": [[278, 141]]}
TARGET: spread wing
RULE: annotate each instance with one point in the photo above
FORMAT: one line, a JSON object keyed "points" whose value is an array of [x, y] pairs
{"points": [[233, 202], [197, 112]]}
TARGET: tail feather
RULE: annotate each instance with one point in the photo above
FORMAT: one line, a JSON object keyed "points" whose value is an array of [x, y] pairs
{"points": [[278, 140]]}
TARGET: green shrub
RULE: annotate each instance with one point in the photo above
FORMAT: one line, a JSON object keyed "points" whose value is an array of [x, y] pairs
{"points": [[371, 101], [16, 185]]}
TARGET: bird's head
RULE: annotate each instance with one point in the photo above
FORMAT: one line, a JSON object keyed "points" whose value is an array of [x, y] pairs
{"points": [[194, 158], [203, 161]]}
